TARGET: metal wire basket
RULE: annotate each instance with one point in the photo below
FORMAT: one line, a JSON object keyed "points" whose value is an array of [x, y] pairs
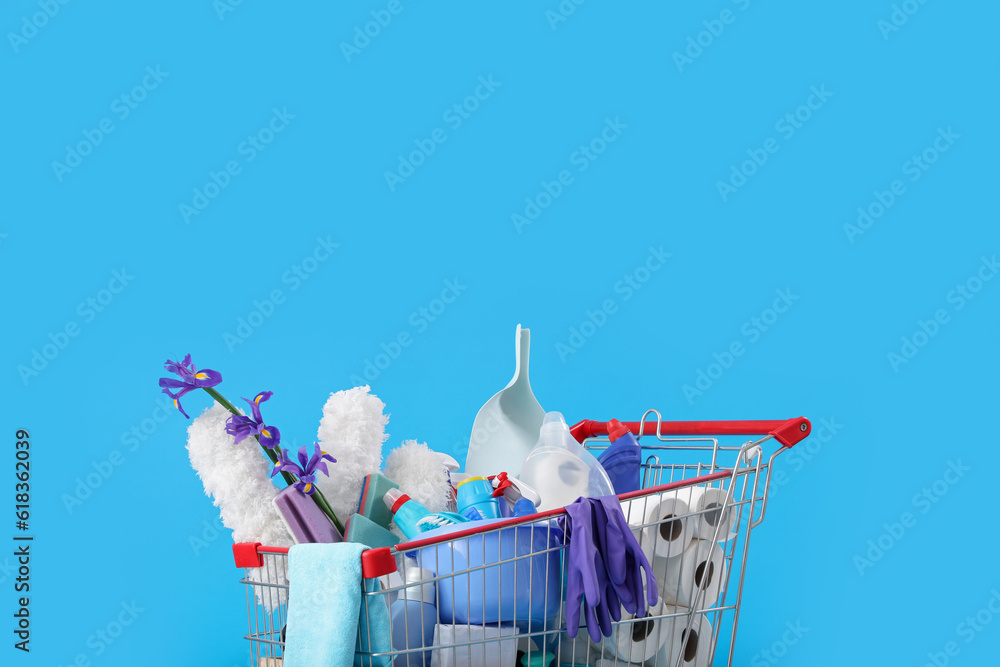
{"points": [[499, 588]]}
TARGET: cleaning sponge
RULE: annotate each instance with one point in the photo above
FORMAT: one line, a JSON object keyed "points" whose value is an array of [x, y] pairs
{"points": [[372, 491], [361, 530]]}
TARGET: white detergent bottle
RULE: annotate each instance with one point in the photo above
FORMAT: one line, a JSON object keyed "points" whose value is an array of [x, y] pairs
{"points": [[560, 469], [413, 617]]}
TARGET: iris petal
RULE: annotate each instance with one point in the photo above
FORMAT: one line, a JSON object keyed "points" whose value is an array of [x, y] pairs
{"points": [[190, 378]]}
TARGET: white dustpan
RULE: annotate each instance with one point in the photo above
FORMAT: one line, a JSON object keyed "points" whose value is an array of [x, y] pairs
{"points": [[507, 426]]}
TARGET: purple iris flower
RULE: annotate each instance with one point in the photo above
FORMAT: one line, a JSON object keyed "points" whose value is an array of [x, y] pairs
{"points": [[306, 468], [241, 426], [190, 379]]}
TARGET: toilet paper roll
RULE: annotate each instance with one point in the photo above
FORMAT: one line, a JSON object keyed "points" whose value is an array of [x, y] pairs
{"points": [[660, 523], [636, 639], [703, 563], [694, 651], [704, 505]]}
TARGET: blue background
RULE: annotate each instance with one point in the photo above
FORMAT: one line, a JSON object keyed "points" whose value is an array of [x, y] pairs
{"points": [[323, 176]]}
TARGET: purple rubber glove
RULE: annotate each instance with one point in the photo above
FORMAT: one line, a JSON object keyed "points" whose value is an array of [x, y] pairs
{"points": [[624, 558], [587, 583]]}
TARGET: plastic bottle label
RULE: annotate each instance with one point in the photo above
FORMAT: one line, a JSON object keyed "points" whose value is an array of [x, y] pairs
{"points": [[432, 521]]}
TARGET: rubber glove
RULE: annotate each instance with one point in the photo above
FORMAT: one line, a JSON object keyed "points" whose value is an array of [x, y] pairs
{"points": [[587, 581], [624, 558]]}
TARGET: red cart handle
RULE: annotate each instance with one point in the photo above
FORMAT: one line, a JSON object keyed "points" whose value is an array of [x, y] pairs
{"points": [[786, 432]]}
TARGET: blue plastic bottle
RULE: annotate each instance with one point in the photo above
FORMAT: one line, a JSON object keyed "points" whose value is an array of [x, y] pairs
{"points": [[477, 493], [622, 458], [412, 517], [524, 507], [413, 617]]}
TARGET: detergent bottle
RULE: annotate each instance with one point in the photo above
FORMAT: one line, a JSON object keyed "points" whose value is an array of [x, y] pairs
{"points": [[413, 617], [412, 517], [560, 469], [477, 493], [622, 459]]}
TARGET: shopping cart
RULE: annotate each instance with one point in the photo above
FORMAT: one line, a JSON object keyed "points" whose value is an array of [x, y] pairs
{"points": [[500, 587]]}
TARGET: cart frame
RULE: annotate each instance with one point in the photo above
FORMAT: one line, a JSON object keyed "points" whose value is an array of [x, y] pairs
{"points": [[749, 471]]}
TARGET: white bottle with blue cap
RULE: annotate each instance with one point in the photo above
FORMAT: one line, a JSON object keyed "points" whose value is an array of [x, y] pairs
{"points": [[413, 617]]}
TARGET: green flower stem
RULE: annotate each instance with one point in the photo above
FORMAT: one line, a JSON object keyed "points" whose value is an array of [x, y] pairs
{"points": [[221, 400], [317, 497], [320, 500]]}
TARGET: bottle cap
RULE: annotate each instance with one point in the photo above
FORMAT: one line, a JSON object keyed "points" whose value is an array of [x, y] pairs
{"points": [[616, 429], [394, 499], [415, 588], [469, 479], [554, 421]]}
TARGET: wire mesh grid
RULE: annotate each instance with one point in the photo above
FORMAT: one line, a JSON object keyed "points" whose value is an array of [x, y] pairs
{"points": [[498, 595]]}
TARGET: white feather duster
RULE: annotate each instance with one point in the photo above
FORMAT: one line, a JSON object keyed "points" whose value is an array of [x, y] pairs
{"points": [[420, 474], [352, 430], [237, 479]]}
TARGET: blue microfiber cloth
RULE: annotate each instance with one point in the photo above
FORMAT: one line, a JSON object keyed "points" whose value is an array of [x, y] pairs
{"points": [[362, 530], [325, 611]]}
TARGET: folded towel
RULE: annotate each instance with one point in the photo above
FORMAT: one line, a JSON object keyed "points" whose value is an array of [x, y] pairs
{"points": [[325, 611]]}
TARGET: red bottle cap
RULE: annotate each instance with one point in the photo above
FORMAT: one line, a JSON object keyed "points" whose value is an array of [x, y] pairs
{"points": [[616, 429], [394, 499]]}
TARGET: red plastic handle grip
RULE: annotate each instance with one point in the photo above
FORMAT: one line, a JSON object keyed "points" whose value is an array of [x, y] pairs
{"points": [[787, 432]]}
